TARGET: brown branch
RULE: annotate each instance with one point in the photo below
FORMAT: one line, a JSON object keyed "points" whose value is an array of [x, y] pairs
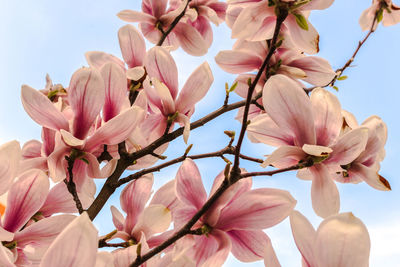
{"points": [[71, 185], [340, 71], [270, 173], [172, 26], [283, 13]]}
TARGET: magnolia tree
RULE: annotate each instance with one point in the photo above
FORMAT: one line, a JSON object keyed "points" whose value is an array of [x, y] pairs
{"points": [[117, 117]]}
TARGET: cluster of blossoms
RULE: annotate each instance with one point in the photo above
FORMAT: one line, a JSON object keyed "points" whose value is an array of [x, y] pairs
{"points": [[120, 114]]}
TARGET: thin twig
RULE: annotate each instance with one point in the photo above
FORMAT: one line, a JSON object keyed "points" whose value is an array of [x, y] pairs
{"points": [[71, 185]]}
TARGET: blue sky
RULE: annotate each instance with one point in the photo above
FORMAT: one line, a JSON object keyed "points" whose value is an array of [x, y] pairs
{"points": [[43, 36]]}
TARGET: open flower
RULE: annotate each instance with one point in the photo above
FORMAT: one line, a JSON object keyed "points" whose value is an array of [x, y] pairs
{"points": [[306, 130], [162, 88], [381, 10], [234, 222]]}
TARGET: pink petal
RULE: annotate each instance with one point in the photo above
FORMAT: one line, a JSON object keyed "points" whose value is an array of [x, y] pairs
{"points": [[195, 88], [317, 4], [71, 140], [154, 219], [182, 119], [133, 47], [248, 245], [304, 236], [306, 40], [6, 257], [115, 130], [238, 61], [160, 64], [116, 91], [167, 101], [327, 116], [41, 110], [57, 164], [318, 151], [44, 231], [104, 259], [97, 59], [30, 149], [256, 209], [135, 16], [367, 16], [86, 97], [117, 218], [288, 105], [348, 147], [318, 70], [189, 186], [6, 235], [75, 246], [284, 156], [59, 200], [391, 18], [10, 155], [48, 138], [133, 199], [190, 40], [369, 175], [263, 129], [324, 193], [224, 247], [25, 198], [158, 7], [342, 240]]}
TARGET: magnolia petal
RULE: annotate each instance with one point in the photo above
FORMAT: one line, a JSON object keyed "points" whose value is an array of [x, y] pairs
{"points": [[224, 247], [195, 88], [10, 155], [115, 90], [324, 193], [154, 219], [262, 129], [6, 235], [104, 259], [316, 150], [160, 65], [71, 140], [342, 240], [135, 16], [270, 258], [75, 246], [305, 40], [237, 62], [317, 4], [115, 130], [370, 176], [318, 70], [191, 40], [133, 47], [288, 105], [57, 164], [167, 101], [6, 257], [165, 196], [391, 18], [117, 218], [186, 124], [256, 209], [97, 59], [44, 231], [25, 198], [348, 147], [284, 156], [304, 235], [189, 186], [133, 199], [41, 110], [293, 72], [124, 257], [249, 245], [135, 74], [86, 96], [327, 116]]}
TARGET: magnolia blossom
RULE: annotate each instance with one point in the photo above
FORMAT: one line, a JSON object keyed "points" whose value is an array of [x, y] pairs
{"points": [[341, 240], [162, 88], [381, 10], [307, 129], [255, 20], [155, 18], [234, 223]]}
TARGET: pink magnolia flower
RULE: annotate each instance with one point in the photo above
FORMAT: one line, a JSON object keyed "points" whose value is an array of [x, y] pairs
{"points": [[341, 240], [20, 234], [86, 96], [381, 10], [162, 88], [234, 223], [366, 166], [156, 17], [141, 221], [255, 20], [306, 129], [10, 156]]}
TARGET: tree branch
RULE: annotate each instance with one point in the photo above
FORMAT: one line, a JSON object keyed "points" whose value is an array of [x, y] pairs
{"points": [[71, 185]]}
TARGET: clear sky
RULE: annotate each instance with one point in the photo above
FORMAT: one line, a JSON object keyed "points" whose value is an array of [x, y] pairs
{"points": [[43, 36]]}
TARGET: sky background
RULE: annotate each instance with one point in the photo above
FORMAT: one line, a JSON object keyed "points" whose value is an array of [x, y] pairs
{"points": [[43, 36]]}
